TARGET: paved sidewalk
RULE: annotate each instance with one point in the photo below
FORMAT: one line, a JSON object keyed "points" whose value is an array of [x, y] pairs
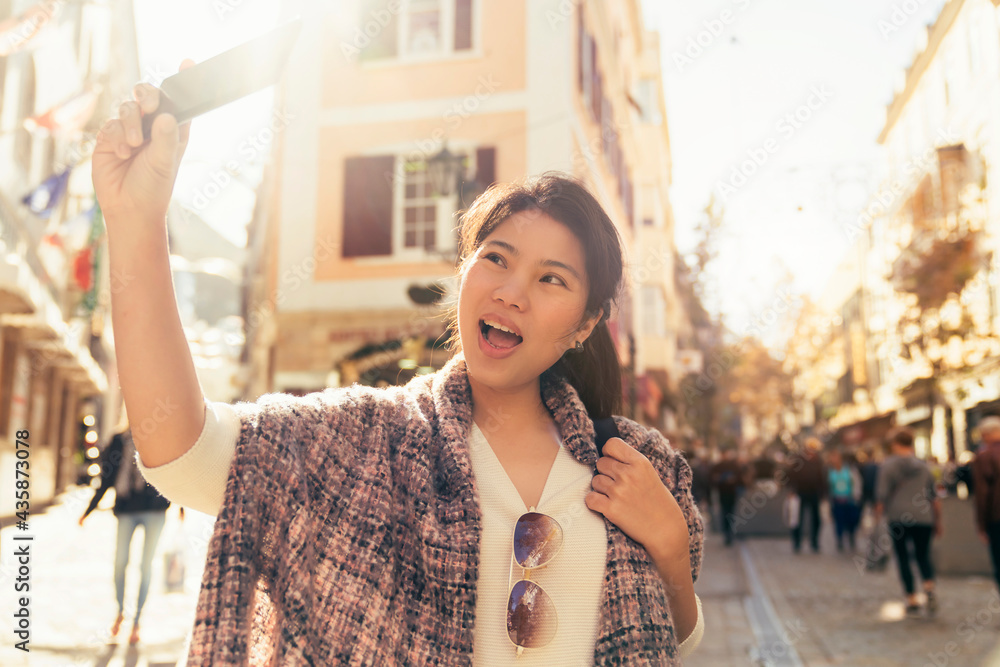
{"points": [[73, 596], [819, 610], [851, 617], [722, 587]]}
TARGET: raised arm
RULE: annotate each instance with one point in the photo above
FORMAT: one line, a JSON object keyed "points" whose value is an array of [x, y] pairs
{"points": [[134, 181]]}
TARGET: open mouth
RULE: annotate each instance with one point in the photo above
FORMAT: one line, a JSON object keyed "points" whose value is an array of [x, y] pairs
{"points": [[499, 336]]}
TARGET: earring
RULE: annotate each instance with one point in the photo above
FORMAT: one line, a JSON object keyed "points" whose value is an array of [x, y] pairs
{"points": [[579, 347]]}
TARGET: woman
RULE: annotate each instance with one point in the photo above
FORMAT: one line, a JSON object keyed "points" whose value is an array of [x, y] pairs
{"points": [[374, 526], [844, 483], [136, 504]]}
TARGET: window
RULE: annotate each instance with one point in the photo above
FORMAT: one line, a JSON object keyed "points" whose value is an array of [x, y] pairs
{"points": [[417, 29], [420, 211], [390, 209], [654, 312]]}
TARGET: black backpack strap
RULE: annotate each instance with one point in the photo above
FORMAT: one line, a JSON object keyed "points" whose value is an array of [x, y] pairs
{"points": [[605, 429]]}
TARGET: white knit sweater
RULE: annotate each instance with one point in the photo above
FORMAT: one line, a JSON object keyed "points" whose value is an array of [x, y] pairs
{"points": [[573, 579]]}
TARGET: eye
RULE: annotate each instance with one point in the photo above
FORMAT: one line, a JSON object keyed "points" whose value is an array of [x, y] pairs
{"points": [[495, 258], [554, 277]]}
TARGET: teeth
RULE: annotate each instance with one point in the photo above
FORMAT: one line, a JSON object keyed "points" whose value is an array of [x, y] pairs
{"points": [[497, 325]]}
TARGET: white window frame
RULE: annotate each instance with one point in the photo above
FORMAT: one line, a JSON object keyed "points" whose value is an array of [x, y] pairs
{"points": [[446, 209], [447, 50]]}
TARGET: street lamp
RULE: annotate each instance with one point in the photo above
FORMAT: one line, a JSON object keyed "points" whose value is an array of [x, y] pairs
{"points": [[444, 170]]}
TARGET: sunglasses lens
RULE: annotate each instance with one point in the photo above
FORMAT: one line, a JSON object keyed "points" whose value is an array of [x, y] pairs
{"points": [[531, 616], [537, 539]]}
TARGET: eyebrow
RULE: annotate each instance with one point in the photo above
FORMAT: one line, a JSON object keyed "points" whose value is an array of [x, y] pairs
{"points": [[545, 262]]}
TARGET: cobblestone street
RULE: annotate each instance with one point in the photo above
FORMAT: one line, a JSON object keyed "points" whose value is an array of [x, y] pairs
{"points": [[825, 610], [73, 595], [763, 605]]}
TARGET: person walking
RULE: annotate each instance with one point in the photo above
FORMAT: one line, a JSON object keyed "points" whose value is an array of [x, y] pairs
{"points": [[868, 462], [136, 504], [728, 480], [986, 489], [807, 479], [468, 517], [907, 498], [844, 482]]}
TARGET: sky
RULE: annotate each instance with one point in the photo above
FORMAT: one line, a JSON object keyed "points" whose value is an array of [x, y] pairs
{"points": [[785, 99], [773, 106], [167, 33]]}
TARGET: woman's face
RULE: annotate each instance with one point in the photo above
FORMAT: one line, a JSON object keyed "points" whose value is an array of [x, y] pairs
{"points": [[529, 278]]}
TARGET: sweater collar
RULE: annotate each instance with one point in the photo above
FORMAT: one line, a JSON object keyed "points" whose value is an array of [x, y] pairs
{"points": [[453, 403]]}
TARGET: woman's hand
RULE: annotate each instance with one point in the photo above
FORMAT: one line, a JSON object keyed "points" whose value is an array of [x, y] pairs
{"points": [[628, 491], [134, 178]]}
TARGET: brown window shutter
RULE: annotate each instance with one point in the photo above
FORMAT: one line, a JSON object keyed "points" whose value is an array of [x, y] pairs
{"points": [[368, 206], [383, 42], [463, 25], [486, 168]]}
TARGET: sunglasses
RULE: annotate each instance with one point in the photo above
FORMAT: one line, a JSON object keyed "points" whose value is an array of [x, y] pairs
{"points": [[531, 614]]}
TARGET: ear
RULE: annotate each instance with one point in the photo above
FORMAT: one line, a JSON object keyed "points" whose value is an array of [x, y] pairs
{"points": [[588, 325]]}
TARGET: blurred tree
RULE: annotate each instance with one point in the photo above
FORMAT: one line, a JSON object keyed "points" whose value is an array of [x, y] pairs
{"points": [[943, 274]]}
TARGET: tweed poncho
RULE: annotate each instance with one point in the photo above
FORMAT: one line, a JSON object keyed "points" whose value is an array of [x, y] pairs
{"points": [[349, 532]]}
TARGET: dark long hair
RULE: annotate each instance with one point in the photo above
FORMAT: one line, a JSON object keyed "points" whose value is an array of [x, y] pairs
{"points": [[595, 373]]}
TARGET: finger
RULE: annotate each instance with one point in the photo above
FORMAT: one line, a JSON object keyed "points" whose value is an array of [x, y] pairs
{"points": [[617, 448], [164, 138], [147, 97], [603, 484], [111, 139], [608, 466], [131, 118], [597, 502]]}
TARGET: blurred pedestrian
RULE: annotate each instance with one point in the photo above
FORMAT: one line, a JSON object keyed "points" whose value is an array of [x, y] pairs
{"points": [[728, 480], [986, 482], [906, 496], [136, 504], [868, 462], [808, 480], [701, 482], [844, 482]]}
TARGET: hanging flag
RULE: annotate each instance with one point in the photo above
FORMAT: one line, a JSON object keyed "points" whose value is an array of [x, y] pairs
{"points": [[89, 301], [17, 31], [83, 269], [69, 116], [43, 199]]}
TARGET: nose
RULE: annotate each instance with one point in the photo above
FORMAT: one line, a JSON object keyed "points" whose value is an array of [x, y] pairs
{"points": [[511, 294]]}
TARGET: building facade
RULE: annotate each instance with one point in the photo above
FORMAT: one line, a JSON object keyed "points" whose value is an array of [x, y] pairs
{"points": [[924, 344], [58, 84], [353, 248]]}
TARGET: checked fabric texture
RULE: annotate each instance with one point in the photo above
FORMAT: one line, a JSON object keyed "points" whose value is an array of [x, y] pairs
{"points": [[349, 533]]}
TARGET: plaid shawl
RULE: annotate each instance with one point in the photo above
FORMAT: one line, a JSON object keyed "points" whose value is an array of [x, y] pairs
{"points": [[349, 533]]}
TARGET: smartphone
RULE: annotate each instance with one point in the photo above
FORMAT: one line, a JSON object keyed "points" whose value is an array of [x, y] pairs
{"points": [[221, 79]]}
